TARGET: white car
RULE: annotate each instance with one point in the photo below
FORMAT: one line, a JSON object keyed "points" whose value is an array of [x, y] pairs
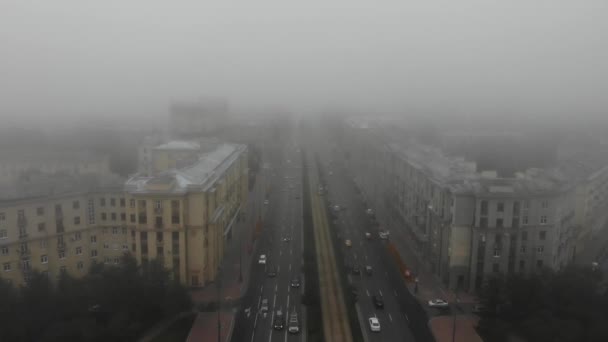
{"points": [[383, 235], [264, 306], [438, 303], [374, 324], [262, 260]]}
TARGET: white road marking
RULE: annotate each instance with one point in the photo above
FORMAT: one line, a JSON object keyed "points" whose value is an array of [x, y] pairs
{"points": [[275, 287], [367, 291], [406, 318], [380, 291], [261, 288], [255, 323], [291, 252], [279, 270], [280, 253], [259, 301], [365, 257], [390, 317], [355, 255], [287, 308], [289, 267]]}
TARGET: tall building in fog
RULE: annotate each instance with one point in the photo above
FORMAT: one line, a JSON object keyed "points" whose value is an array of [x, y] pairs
{"points": [[194, 119]]}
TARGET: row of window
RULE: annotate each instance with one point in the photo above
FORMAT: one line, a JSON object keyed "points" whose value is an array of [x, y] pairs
{"points": [[539, 249], [42, 227], [499, 223], [58, 208], [7, 266], [500, 206], [522, 266]]}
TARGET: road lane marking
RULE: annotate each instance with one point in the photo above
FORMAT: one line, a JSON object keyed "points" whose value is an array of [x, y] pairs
{"points": [[390, 317], [275, 287], [289, 267], [280, 253], [287, 307], [291, 252], [261, 288], [367, 291], [259, 301], [279, 269], [355, 255], [406, 318], [365, 257], [380, 291]]}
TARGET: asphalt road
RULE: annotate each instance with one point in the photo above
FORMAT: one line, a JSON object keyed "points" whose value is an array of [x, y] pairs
{"points": [[283, 219]]}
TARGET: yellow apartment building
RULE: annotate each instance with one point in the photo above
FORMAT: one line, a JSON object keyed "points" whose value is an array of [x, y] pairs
{"points": [[183, 216]]}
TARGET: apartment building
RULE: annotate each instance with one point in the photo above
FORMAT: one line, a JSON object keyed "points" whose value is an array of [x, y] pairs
{"points": [[183, 216], [464, 223], [81, 221]]}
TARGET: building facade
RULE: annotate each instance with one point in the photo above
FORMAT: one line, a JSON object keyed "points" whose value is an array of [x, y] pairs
{"points": [[179, 216]]}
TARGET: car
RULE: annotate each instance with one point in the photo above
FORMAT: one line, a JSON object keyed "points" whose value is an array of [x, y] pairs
{"points": [[368, 235], [378, 301], [294, 326], [438, 303], [383, 235], [279, 321], [295, 282], [368, 270], [374, 324], [356, 270], [264, 306], [331, 173], [348, 243], [370, 212], [286, 239], [262, 259], [266, 202], [272, 271]]}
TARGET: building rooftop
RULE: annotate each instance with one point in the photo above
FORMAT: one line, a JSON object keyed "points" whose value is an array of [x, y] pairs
{"points": [[200, 175], [179, 145]]}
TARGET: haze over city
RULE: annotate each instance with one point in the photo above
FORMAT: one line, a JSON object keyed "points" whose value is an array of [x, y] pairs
{"points": [[304, 171]]}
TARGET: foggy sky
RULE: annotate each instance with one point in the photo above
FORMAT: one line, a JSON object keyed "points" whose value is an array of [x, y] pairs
{"points": [[65, 58]]}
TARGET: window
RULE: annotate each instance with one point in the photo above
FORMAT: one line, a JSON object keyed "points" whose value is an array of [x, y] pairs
{"points": [[3, 234], [497, 252], [524, 220], [91, 211], [542, 235], [123, 216], [124, 231], [543, 219], [522, 249], [539, 263], [104, 216], [500, 207], [80, 265], [132, 203], [75, 205], [93, 253], [125, 246], [496, 267], [106, 245], [76, 220], [484, 207], [60, 240], [133, 247], [544, 204], [540, 249], [483, 222], [133, 218], [158, 204], [122, 202], [116, 261], [78, 250], [526, 204], [43, 244], [104, 230], [515, 208], [6, 266], [61, 255], [58, 209], [114, 230], [41, 227], [113, 215], [44, 259], [499, 223], [115, 246], [102, 202], [106, 260], [93, 238], [112, 202], [515, 222], [4, 250], [63, 269], [77, 236], [40, 211]]}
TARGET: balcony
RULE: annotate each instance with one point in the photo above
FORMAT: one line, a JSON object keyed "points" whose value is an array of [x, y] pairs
{"points": [[158, 225], [61, 246], [24, 253], [158, 211]]}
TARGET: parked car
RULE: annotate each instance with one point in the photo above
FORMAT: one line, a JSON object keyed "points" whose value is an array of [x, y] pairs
{"points": [[378, 301], [266, 202], [262, 259], [374, 324], [383, 235], [294, 326], [336, 208], [279, 321], [438, 303]]}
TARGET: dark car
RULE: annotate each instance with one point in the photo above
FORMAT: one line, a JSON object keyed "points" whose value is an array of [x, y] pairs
{"points": [[279, 321], [378, 301], [356, 270], [295, 282], [272, 271]]}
